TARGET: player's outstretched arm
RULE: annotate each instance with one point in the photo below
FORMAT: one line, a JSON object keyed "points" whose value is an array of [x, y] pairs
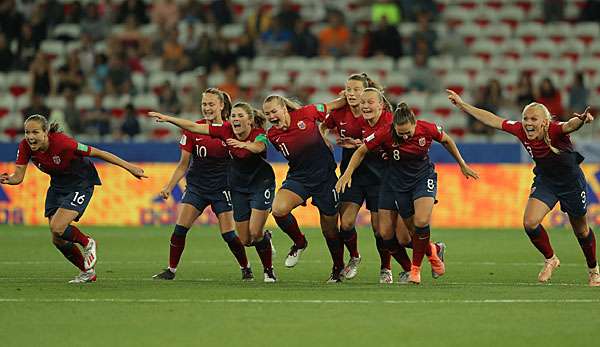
{"points": [[578, 121], [346, 179], [14, 178], [336, 103], [113, 159], [180, 122], [252, 146], [485, 117], [180, 170], [451, 147]]}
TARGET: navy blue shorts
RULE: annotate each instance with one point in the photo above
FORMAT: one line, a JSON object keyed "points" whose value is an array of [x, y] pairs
{"points": [[219, 201], [259, 199], [324, 197], [360, 193], [76, 200], [572, 198], [403, 202]]}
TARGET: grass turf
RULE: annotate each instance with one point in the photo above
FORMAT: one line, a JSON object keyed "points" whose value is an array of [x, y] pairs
{"points": [[488, 296]]}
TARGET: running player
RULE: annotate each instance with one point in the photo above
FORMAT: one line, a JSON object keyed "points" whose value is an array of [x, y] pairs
{"points": [[73, 177], [295, 133], [206, 161], [410, 183], [251, 178], [558, 177]]}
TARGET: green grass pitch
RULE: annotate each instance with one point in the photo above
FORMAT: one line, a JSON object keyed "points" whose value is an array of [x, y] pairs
{"points": [[489, 296]]}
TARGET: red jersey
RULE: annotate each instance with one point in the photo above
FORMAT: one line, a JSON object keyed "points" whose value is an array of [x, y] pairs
{"points": [[210, 161], [310, 160], [347, 124], [409, 160], [560, 167], [249, 171], [64, 160]]}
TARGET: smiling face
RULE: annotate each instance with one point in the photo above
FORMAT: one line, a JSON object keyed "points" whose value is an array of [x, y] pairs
{"points": [[36, 136], [212, 106], [405, 130], [370, 105], [240, 120], [354, 89], [276, 113], [534, 122]]}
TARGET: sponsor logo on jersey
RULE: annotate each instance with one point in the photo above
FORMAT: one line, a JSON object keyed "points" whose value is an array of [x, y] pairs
{"points": [[56, 159], [301, 125], [422, 141]]}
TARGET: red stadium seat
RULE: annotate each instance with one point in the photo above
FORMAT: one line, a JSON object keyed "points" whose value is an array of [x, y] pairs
{"points": [[145, 103], [416, 102], [439, 105], [511, 15], [457, 81], [7, 104], [336, 82], [471, 65], [279, 80], [18, 82], [484, 49], [529, 32], [558, 32], [84, 102], [587, 32], [543, 49], [396, 83]]}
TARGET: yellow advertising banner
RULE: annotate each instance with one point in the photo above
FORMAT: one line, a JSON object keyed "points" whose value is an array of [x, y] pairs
{"points": [[497, 200]]}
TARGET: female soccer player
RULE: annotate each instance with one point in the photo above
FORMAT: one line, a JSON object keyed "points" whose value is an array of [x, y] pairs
{"points": [[311, 173], [73, 178], [410, 183], [207, 184], [558, 177], [251, 178]]}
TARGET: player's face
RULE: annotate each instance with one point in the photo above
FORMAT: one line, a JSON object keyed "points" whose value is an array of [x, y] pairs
{"points": [[240, 120], [276, 113], [534, 121], [211, 106], [36, 137], [405, 130], [354, 89], [370, 105]]}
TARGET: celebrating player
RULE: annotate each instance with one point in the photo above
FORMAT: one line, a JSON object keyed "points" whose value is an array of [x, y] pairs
{"points": [[558, 177], [73, 177], [251, 178], [410, 183], [207, 184]]}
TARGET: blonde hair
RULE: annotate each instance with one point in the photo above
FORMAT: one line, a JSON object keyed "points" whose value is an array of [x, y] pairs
{"points": [[290, 104], [546, 129], [381, 97], [256, 115], [225, 99]]}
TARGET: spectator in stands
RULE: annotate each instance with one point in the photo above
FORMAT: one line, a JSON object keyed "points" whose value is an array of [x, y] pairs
{"points": [[385, 39], [489, 98], [131, 36], [410, 9], [39, 24], [73, 13], [173, 56], [223, 54], [189, 38], [421, 77], [304, 43], [93, 24], [131, 124], [191, 11], [221, 12], [246, 48], [11, 22], [259, 20], [525, 93], [100, 73], [6, 56], [334, 39], [452, 42], [72, 115], [424, 33], [550, 97], [288, 15], [118, 79], [136, 8], [37, 106], [204, 54], [26, 48], [70, 75], [386, 10], [41, 77], [86, 53], [167, 99], [230, 84], [590, 11], [578, 95], [97, 120], [554, 11], [165, 14], [276, 41]]}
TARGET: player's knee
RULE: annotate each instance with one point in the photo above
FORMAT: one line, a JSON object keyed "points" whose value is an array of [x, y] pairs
{"points": [[56, 240], [530, 223], [280, 211], [421, 221], [346, 224], [246, 240], [57, 229]]}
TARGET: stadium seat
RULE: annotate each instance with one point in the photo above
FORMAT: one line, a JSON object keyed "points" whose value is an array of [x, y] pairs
{"points": [[594, 49], [18, 82], [232, 31], [115, 105], [322, 65], [558, 32], [416, 102], [571, 49], [139, 81], [293, 65], [84, 102], [458, 15], [589, 65], [530, 65], [587, 32], [441, 64], [52, 48], [11, 126], [157, 79], [471, 65], [470, 32], [457, 81], [321, 97], [249, 80], [309, 81], [396, 83], [543, 49], [352, 64], [498, 32], [265, 64], [529, 32], [7, 104], [216, 78], [514, 49], [279, 80], [484, 49], [66, 32], [145, 103], [511, 15], [336, 82], [439, 105], [55, 102], [381, 65], [501, 65]]}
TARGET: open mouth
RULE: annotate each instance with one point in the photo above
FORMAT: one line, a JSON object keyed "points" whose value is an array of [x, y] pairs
{"points": [[367, 112], [274, 121], [236, 124], [530, 130]]}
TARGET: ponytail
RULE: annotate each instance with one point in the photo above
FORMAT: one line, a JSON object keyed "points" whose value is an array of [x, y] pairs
{"points": [[258, 118], [46, 126], [402, 115], [546, 129], [225, 99], [288, 103]]}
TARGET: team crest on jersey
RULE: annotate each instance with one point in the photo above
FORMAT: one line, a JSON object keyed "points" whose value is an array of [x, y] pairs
{"points": [[56, 159], [301, 125], [422, 141]]}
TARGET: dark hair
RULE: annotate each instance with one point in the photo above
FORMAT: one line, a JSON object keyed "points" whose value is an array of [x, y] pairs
{"points": [[46, 126], [257, 116], [366, 81], [402, 115], [225, 99]]}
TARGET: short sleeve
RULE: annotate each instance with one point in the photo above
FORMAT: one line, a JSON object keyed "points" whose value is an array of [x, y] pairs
{"points": [[186, 143], [512, 127], [262, 137], [375, 140], [330, 120], [316, 111], [435, 131], [555, 130], [73, 146], [23, 153], [222, 131]]}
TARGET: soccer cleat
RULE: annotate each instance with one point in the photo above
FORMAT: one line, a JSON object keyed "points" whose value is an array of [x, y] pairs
{"points": [[351, 269], [336, 276], [294, 255], [415, 275], [270, 236], [247, 274], [385, 276], [166, 274], [85, 277], [270, 276], [594, 277], [436, 259], [89, 254], [549, 266], [403, 277]]}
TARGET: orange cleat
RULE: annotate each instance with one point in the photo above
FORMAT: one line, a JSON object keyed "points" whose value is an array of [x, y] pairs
{"points": [[415, 275], [549, 266], [437, 260]]}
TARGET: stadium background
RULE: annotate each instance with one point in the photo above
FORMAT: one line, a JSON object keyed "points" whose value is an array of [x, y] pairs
{"points": [[97, 66]]}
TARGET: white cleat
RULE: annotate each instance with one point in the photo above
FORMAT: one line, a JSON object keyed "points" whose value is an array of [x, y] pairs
{"points": [[294, 255], [270, 276], [385, 276], [85, 277], [89, 254], [549, 266], [594, 277], [403, 277], [351, 270]]}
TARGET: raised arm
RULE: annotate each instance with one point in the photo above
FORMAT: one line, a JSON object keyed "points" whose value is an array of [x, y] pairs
{"points": [[180, 122], [346, 179], [336, 103], [485, 117], [180, 170], [451, 147], [254, 147], [14, 178], [577, 121], [113, 159]]}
